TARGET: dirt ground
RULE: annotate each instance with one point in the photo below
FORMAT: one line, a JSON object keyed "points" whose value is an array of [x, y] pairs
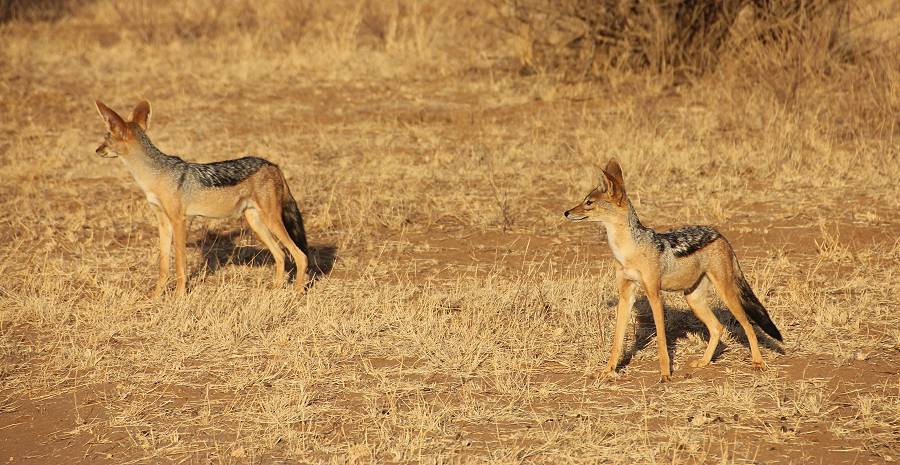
{"points": [[456, 317]]}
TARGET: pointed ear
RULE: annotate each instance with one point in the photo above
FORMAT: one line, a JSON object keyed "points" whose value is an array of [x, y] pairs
{"points": [[141, 115], [114, 123], [613, 169], [615, 183]]}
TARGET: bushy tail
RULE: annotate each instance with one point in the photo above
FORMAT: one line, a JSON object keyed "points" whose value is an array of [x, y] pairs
{"points": [[293, 221], [753, 307]]}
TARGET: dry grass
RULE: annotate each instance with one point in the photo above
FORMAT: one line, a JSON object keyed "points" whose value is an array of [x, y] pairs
{"points": [[461, 318]]}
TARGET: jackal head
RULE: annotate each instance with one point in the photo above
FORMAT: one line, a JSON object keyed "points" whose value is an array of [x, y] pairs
{"points": [[120, 134], [606, 201]]}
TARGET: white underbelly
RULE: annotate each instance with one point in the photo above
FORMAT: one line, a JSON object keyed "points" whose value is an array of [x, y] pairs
{"points": [[671, 282], [686, 277]]}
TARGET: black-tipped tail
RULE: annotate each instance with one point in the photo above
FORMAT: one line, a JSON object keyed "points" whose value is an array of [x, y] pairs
{"points": [[755, 309], [293, 221]]}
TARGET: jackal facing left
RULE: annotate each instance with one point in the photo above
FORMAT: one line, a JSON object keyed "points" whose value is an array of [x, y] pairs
{"points": [[177, 189], [687, 260]]}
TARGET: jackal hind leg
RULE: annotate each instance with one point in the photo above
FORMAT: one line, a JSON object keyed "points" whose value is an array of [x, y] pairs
{"points": [[272, 219], [724, 283], [259, 227], [697, 300]]}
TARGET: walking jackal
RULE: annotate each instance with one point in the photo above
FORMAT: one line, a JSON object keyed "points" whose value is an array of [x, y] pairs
{"points": [[686, 260], [177, 189]]}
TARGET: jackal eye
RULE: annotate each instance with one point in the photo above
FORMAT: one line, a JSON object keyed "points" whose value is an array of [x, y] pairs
{"points": [[588, 202]]}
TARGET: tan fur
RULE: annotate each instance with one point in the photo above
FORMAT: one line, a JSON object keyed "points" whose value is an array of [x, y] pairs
{"points": [[640, 263], [259, 198]]}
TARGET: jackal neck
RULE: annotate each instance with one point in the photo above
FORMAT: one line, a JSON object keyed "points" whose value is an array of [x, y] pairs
{"points": [[147, 148], [146, 162], [624, 233], [629, 220]]}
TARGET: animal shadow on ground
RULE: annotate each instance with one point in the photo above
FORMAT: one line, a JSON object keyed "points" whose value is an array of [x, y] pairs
{"points": [[221, 248], [680, 323]]}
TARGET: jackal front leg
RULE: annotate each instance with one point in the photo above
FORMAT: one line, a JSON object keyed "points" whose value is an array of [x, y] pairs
{"points": [[165, 251], [626, 290], [179, 231]]}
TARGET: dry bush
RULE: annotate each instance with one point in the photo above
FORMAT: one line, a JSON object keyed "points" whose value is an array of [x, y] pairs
{"points": [[832, 72], [589, 37], [36, 10]]}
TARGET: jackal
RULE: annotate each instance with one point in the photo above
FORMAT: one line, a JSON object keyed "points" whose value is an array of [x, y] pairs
{"points": [[177, 189], [686, 260]]}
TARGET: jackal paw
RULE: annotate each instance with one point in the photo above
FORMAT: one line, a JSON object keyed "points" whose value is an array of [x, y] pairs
{"points": [[609, 373], [699, 363], [664, 378], [759, 366]]}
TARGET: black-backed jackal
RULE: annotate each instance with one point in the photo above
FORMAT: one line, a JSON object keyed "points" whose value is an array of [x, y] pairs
{"points": [[177, 189], [686, 260]]}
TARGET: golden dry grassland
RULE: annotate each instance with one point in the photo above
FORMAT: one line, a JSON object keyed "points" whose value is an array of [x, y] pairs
{"points": [[457, 318]]}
